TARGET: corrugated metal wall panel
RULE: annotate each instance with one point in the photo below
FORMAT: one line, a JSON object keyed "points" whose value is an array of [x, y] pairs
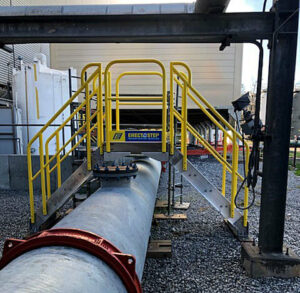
{"points": [[26, 51], [217, 75]]}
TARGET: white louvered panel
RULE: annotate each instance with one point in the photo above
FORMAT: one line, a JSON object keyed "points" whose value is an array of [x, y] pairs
{"points": [[217, 75]]}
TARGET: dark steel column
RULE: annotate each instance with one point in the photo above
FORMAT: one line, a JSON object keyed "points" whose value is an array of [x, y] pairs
{"points": [[278, 123]]}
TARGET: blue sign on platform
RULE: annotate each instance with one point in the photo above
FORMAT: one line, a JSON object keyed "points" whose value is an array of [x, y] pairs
{"points": [[150, 135]]}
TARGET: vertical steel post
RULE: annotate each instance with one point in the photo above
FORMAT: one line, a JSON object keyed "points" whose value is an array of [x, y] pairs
{"points": [[181, 189], [234, 178], [173, 185], [278, 125], [169, 188]]}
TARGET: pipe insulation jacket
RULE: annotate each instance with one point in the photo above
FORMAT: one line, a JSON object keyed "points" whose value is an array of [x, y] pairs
{"points": [[120, 211]]}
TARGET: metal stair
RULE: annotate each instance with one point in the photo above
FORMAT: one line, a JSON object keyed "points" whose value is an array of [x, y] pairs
{"points": [[219, 202], [64, 193]]}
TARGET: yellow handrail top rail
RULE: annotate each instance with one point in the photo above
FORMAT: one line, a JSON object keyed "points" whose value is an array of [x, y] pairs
{"points": [[122, 61], [203, 100], [138, 73]]}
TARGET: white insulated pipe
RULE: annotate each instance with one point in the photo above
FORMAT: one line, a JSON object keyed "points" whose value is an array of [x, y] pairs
{"points": [[121, 212]]}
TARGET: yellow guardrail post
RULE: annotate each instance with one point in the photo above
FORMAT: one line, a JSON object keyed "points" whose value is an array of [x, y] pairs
{"points": [[106, 101], [100, 112], [107, 119], [43, 187], [110, 103], [30, 184], [184, 126], [189, 78], [164, 114], [88, 128], [234, 174], [172, 142], [48, 170], [58, 171], [224, 166], [117, 108]]}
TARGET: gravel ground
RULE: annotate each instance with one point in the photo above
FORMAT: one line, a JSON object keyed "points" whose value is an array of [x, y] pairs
{"points": [[205, 258]]}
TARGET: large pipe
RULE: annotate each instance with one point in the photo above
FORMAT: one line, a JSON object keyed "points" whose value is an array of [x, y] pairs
{"points": [[121, 212]]}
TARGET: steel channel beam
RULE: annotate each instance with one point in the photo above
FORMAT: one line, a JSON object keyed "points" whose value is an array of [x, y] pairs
{"points": [[278, 127], [121, 212], [42, 26]]}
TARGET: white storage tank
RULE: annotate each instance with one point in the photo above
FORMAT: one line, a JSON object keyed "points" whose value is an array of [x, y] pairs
{"points": [[40, 92]]}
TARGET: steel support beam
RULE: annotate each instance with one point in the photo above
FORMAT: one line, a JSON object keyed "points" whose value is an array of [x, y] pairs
{"points": [[269, 258], [278, 127], [42, 26]]}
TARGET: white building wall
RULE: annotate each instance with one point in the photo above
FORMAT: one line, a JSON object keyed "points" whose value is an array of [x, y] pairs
{"points": [[217, 75]]}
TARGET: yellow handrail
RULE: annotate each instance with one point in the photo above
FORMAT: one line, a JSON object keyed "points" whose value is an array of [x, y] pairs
{"points": [[185, 66], [45, 166], [117, 98], [109, 98], [93, 86], [189, 91]]}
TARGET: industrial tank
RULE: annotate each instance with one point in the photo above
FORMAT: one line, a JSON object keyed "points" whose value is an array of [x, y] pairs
{"points": [[39, 92]]}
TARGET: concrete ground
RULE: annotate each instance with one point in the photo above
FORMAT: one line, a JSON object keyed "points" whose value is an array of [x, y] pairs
{"points": [[206, 257]]}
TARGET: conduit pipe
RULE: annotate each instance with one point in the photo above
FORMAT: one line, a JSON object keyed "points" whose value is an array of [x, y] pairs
{"points": [[121, 212]]}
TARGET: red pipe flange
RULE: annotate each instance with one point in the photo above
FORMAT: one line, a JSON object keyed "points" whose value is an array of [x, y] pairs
{"points": [[122, 264], [163, 166]]}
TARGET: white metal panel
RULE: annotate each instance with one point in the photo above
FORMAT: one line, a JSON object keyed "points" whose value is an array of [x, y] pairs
{"points": [[217, 75], [53, 91]]}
